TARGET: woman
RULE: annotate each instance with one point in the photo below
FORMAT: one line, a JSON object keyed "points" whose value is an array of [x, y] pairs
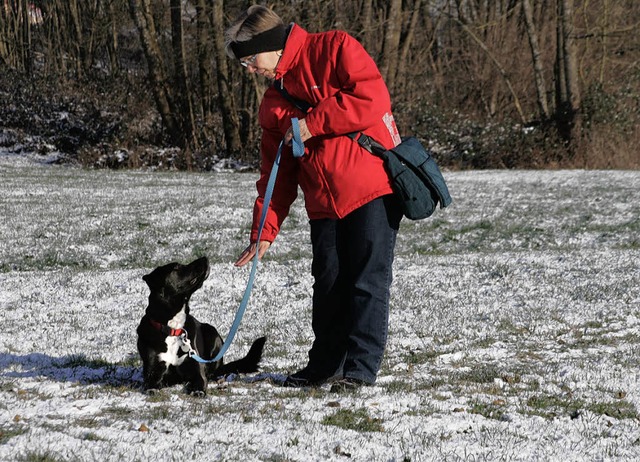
{"points": [[348, 197]]}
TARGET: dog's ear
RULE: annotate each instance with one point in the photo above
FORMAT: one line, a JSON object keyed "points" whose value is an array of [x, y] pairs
{"points": [[156, 278], [154, 284], [150, 279]]}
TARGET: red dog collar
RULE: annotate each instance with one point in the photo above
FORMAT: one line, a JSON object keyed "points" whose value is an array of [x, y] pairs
{"points": [[167, 330]]}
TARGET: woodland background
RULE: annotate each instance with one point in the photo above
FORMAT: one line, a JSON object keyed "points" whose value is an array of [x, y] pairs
{"points": [[483, 83]]}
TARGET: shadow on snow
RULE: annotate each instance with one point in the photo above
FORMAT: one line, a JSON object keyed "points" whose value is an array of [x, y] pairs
{"points": [[82, 370], [70, 368]]}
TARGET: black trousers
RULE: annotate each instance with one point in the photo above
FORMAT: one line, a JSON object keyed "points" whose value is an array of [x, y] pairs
{"points": [[352, 270]]}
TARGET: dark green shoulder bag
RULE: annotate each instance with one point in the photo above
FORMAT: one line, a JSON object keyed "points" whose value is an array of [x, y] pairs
{"points": [[415, 176]]}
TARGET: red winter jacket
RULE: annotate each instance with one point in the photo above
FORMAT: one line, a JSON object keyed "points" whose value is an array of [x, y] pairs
{"points": [[333, 73]]}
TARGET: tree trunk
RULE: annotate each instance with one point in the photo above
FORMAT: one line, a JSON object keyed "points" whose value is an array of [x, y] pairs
{"points": [[112, 40], [93, 18], [182, 95], [571, 56], [567, 89], [8, 35], [141, 14], [4, 37], [59, 40], [406, 46], [27, 60], [538, 70], [204, 58], [78, 39], [225, 92], [499, 67], [434, 21], [389, 60], [367, 25]]}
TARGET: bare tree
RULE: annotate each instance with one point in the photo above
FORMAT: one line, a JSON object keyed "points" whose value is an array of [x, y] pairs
{"points": [[567, 89], [182, 95], [408, 41], [538, 70], [52, 41], [225, 92], [389, 58], [204, 58], [112, 39], [141, 14], [439, 57], [27, 58], [496, 63], [366, 24], [78, 38], [8, 40], [15, 35]]}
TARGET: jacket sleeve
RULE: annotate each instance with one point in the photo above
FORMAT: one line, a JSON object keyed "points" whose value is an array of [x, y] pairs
{"points": [[285, 190], [363, 97]]}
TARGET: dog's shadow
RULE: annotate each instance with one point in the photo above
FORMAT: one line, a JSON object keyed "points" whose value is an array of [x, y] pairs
{"points": [[71, 368], [82, 370]]}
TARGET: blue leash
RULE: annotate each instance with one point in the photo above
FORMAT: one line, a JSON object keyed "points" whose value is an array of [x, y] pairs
{"points": [[296, 143], [298, 151]]}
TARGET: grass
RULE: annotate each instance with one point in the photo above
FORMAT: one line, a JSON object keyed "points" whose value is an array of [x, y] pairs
{"points": [[10, 431], [420, 357], [551, 406], [358, 420], [519, 303], [619, 409], [494, 410], [37, 456]]}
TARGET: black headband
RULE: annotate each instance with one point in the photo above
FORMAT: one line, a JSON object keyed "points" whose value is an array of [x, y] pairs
{"points": [[269, 40]]}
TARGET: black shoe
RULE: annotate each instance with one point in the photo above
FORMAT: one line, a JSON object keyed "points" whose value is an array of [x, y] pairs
{"points": [[348, 385], [299, 382], [305, 378]]}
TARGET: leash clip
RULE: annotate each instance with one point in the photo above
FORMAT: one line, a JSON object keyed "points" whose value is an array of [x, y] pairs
{"points": [[186, 344]]}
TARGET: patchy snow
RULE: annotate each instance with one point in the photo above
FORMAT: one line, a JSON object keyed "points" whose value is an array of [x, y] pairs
{"points": [[514, 326]]}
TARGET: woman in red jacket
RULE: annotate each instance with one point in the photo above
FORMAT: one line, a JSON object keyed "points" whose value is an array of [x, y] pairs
{"points": [[353, 215]]}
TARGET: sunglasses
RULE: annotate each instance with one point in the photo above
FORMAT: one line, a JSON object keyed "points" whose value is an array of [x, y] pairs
{"points": [[250, 61]]}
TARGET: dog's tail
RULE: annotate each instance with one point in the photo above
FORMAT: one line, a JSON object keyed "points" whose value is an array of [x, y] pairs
{"points": [[246, 365]]}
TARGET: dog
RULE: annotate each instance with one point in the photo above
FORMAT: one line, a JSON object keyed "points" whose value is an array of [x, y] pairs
{"points": [[162, 330]]}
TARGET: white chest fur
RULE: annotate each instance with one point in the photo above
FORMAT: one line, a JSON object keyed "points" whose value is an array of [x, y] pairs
{"points": [[175, 345]]}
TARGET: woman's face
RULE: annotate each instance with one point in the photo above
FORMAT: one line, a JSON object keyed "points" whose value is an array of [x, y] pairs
{"points": [[263, 63]]}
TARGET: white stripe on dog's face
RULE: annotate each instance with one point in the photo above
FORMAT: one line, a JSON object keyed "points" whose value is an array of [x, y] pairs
{"points": [[175, 344]]}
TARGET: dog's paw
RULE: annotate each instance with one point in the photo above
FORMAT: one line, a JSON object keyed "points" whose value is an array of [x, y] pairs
{"points": [[198, 393]]}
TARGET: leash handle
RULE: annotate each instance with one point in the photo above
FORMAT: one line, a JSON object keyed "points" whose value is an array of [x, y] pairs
{"points": [[296, 142]]}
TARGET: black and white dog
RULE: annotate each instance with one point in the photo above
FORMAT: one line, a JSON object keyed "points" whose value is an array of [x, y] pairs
{"points": [[162, 343]]}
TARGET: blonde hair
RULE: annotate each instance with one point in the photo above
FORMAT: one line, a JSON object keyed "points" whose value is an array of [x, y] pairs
{"points": [[255, 20]]}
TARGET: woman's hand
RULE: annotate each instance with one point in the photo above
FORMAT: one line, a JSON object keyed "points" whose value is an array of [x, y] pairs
{"points": [[247, 255], [305, 134]]}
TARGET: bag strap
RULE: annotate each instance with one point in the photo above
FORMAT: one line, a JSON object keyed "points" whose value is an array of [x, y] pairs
{"points": [[365, 141], [300, 104], [368, 143]]}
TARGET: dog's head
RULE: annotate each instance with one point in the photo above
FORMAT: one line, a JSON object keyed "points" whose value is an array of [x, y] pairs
{"points": [[174, 283]]}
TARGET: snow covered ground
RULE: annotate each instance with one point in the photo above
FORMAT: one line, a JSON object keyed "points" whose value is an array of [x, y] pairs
{"points": [[515, 323]]}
